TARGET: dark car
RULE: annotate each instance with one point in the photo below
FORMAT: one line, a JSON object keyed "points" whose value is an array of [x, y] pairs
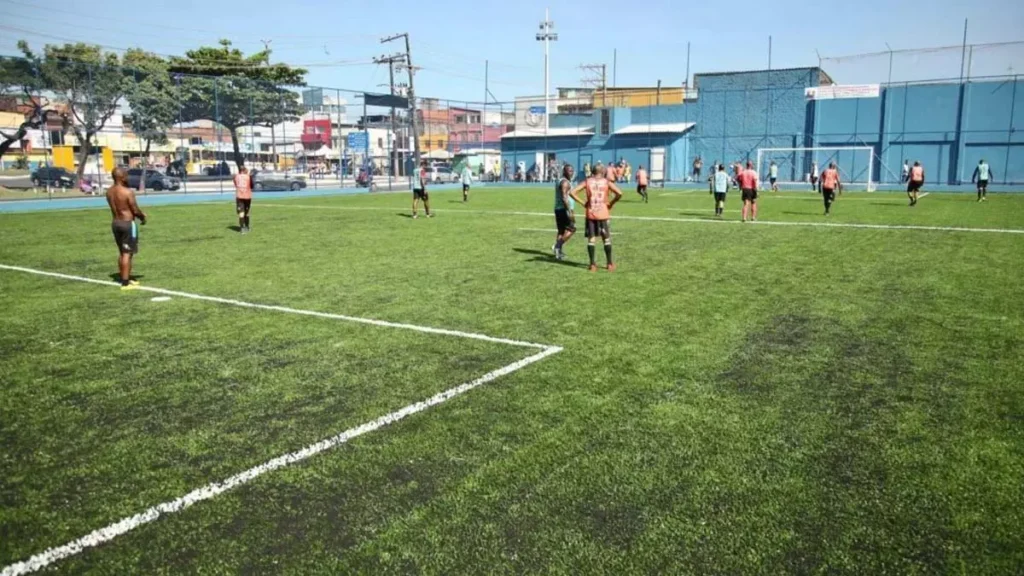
{"points": [[51, 176], [277, 181], [154, 180], [221, 169]]}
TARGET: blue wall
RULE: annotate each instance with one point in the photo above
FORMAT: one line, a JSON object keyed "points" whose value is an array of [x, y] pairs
{"points": [[948, 127]]}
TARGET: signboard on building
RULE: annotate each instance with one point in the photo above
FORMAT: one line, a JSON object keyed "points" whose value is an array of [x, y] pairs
{"points": [[358, 141], [837, 91]]}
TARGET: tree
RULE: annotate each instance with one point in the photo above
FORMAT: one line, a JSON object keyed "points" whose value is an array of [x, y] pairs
{"points": [[152, 97], [224, 85], [90, 83], [21, 79]]}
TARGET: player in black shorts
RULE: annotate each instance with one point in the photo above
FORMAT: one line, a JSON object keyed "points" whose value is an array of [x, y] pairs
{"points": [[419, 192], [124, 211], [565, 219]]}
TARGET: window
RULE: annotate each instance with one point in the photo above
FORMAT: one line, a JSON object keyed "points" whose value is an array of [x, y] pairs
{"points": [[426, 143], [380, 142], [474, 137], [474, 119], [606, 121], [196, 140]]}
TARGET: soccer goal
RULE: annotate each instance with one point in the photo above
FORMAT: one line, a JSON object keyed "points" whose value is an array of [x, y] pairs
{"points": [[856, 165]]}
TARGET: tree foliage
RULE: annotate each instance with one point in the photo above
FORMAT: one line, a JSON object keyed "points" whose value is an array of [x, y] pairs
{"points": [[152, 97], [90, 83], [22, 84], [224, 85]]}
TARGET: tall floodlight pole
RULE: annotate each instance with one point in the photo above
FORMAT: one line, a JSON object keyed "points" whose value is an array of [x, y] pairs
{"points": [[546, 35]]}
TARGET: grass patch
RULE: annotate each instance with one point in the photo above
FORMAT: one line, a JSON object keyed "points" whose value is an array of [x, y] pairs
{"points": [[735, 399]]}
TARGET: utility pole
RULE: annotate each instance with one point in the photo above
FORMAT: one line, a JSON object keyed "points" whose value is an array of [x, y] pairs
{"points": [[546, 35], [411, 95], [391, 60], [599, 81]]}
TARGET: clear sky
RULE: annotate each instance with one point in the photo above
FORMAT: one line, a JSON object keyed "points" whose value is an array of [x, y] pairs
{"points": [[451, 39]]}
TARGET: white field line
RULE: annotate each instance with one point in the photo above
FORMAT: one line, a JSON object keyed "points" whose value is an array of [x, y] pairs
{"points": [[919, 196], [108, 533], [695, 220], [285, 309]]}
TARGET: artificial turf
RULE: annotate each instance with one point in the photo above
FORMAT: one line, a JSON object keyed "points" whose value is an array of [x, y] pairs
{"points": [[754, 398]]}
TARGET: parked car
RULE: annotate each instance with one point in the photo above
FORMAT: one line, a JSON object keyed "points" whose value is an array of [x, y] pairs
{"points": [[221, 169], [439, 174], [277, 181], [53, 176], [154, 180]]}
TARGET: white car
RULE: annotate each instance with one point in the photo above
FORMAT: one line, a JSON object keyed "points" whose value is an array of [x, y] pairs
{"points": [[443, 174]]}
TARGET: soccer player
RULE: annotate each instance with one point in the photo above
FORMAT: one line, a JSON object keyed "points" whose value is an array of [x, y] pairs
{"points": [[641, 182], [565, 219], [773, 176], [627, 173], [829, 185], [467, 179], [124, 210], [243, 198], [598, 212], [719, 186], [737, 169], [748, 186], [981, 174], [905, 173], [419, 191], [814, 176], [916, 182]]}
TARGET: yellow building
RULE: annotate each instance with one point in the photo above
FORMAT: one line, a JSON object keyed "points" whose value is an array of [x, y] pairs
{"points": [[638, 97]]}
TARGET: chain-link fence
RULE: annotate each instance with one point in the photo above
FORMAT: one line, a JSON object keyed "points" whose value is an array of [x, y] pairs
{"points": [[192, 132]]}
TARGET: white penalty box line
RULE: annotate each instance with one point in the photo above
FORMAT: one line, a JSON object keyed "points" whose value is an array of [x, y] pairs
{"points": [[854, 225], [125, 525]]}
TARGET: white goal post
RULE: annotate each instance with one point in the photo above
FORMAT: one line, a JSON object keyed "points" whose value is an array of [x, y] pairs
{"points": [[856, 164]]}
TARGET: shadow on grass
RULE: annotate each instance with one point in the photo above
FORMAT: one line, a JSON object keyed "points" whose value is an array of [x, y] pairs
{"points": [[701, 215], [548, 258], [116, 277], [235, 228]]}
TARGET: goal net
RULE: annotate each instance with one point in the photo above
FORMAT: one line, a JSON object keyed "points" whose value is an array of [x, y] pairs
{"points": [[856, 165]]}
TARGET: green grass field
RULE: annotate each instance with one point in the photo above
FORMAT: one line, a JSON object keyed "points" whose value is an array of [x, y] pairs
{"points": [[769, 398]]}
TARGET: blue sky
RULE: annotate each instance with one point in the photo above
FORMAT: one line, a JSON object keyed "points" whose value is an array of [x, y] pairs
{"points": [[452, 39]]}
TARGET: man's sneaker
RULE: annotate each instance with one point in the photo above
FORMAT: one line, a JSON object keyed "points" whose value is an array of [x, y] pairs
{"points": [[593, 268], [554, 250], [611, 267], [415, 216], [130, 286], [430, 215]]}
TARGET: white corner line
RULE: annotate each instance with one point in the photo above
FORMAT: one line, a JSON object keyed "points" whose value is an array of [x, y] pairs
{"points": [[285, 309], [125, 525], [691, 220]]}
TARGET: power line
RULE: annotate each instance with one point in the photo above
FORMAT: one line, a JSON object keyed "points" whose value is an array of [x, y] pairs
{"points": [[210, 64], [49, 10]]}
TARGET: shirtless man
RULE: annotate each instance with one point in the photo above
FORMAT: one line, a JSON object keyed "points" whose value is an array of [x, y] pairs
{"points": [[124, 209]]}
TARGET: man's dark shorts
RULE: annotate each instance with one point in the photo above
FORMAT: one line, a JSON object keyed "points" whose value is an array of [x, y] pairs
{"points": [[564, 221], [982, 184], [465, 187], [598, 228], [126, 236], [773, 181], [420, 194], [914, 186], [243, 205], [641, 189], [749, 195], [719, 196]]}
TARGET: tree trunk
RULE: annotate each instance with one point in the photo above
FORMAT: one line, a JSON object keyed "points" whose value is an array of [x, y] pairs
{"points": [[83, 155], [143, 161], [239, 161], [273, 147], [10, 140]]}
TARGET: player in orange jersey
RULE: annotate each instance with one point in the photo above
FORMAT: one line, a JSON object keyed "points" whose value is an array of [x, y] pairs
{"points": [[599, 209]]}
